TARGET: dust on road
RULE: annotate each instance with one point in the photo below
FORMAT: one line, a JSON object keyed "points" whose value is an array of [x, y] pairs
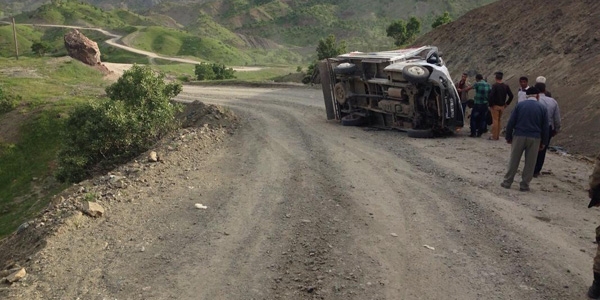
{"points": [[302, 208]]}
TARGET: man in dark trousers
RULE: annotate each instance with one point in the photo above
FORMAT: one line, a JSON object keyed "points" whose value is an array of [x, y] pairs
{"points": [[500, 97], [594, 193], [480, 108], [526, 131], [553, 122]]}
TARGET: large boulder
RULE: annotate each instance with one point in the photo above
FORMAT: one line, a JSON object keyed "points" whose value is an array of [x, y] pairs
{"points": [[82, 48]]}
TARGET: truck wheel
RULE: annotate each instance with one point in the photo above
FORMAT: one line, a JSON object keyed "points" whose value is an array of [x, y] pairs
{"points": [[420, 133], [352, 120], [344, 68], [415, 74]]}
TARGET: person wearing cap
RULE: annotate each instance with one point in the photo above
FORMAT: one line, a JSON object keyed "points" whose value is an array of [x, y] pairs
{"points": [[526, 131], [480, 106], [500, 97], [542, 79], [523, 86], [553, 123], [594, 193]]}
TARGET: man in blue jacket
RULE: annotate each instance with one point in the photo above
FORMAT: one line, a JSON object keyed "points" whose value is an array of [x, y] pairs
{"points": [[527, 131]]}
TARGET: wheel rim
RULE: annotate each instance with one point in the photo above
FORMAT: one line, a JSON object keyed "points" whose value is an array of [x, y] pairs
{"points": [[416, 71]]}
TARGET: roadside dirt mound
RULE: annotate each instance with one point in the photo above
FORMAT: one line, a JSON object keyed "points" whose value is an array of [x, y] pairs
{"points": [[29, 246], [197, 114], [558, 39]]}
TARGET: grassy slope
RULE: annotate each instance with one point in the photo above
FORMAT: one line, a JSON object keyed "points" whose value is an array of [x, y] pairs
{"points": [[81, 14], [53, 87]]}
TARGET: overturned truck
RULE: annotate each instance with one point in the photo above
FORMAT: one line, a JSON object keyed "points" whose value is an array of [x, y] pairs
{"points": [[406, 89]]}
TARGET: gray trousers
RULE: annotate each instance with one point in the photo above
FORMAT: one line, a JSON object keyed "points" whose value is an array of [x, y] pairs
{"points": [[521, 144]]}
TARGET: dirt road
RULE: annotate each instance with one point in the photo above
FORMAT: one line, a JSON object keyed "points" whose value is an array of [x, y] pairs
{"points": [[302, 208]]}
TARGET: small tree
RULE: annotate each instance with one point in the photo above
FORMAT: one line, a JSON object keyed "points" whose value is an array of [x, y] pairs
{"points": [[222, 72], [413, 28], [397, 31], [441, 20], [328, 47], [7, 101], [204, 71], [402, 32], [40, 48]]}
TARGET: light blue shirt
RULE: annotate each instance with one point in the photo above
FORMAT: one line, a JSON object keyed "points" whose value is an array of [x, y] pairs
{"points": [[553, 111]]}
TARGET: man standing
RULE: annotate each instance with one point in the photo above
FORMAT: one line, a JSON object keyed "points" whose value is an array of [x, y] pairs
{"points": [[498, 102], [542, 79], [553, 122], [461, 87], [523, 86], [480, 107], [594, 193], [526, 131]]}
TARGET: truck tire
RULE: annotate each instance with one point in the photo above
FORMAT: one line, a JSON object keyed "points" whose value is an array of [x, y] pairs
{"points": [[415, 74], [344, 68], [420, 133], [352, 120]]}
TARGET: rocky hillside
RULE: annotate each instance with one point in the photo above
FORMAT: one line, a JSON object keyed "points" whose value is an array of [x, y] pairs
{"points": [[558, 39]]}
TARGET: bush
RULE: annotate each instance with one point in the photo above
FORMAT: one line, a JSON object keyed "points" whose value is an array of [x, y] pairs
{"points": [[206, 71], [7, 102], [136, 114], [40, 48], [441, 20]]}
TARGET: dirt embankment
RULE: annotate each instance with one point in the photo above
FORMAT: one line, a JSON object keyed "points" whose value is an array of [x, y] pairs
{"points": [[558, 39]]}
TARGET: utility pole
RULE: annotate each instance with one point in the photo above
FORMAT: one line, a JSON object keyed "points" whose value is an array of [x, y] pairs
{"points": [[15, 37]]}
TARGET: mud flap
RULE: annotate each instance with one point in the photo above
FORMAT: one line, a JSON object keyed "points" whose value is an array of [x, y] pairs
{"points": [[327, 86]]}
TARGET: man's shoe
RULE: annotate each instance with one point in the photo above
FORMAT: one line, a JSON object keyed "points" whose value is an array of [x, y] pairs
{"points": [[524, 189], [479, 135], [472, 135], [505, 185], [594, 290], [536, 175]]}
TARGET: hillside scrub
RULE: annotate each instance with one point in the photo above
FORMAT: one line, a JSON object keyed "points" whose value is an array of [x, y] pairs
{"points": [[206, 71], [7, 101], [327, 48], [137, 112]]}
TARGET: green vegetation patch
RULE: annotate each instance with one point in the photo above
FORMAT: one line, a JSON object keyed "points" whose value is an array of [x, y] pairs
{"points": [[46, 89], [25, 164], [173, 42]]}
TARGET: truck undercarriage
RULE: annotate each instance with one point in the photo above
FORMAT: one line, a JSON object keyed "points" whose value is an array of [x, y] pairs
{"points": [[408, 89]]}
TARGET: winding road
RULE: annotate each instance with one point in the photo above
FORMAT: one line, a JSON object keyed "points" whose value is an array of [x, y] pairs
{"points": [[115, 40]]}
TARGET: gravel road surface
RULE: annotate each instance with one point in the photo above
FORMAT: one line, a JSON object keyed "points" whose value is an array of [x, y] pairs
{"points": [[304, 208]]}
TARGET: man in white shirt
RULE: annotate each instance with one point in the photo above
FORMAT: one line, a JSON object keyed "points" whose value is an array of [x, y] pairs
{"points": [[553, 122], [523, 86]]}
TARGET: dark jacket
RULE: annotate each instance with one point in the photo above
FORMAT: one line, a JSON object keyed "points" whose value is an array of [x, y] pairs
{"points": [[528, 119], [499, 93], [595, 177]]}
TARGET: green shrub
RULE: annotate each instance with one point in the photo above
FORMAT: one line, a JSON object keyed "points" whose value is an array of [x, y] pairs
{"points": [[136, 114], [206, 71], [40, 48], [7, 102]]}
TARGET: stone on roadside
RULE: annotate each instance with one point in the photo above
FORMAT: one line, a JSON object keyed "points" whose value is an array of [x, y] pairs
{"points": [[153, 156], [93, 209], [16, 276]]}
